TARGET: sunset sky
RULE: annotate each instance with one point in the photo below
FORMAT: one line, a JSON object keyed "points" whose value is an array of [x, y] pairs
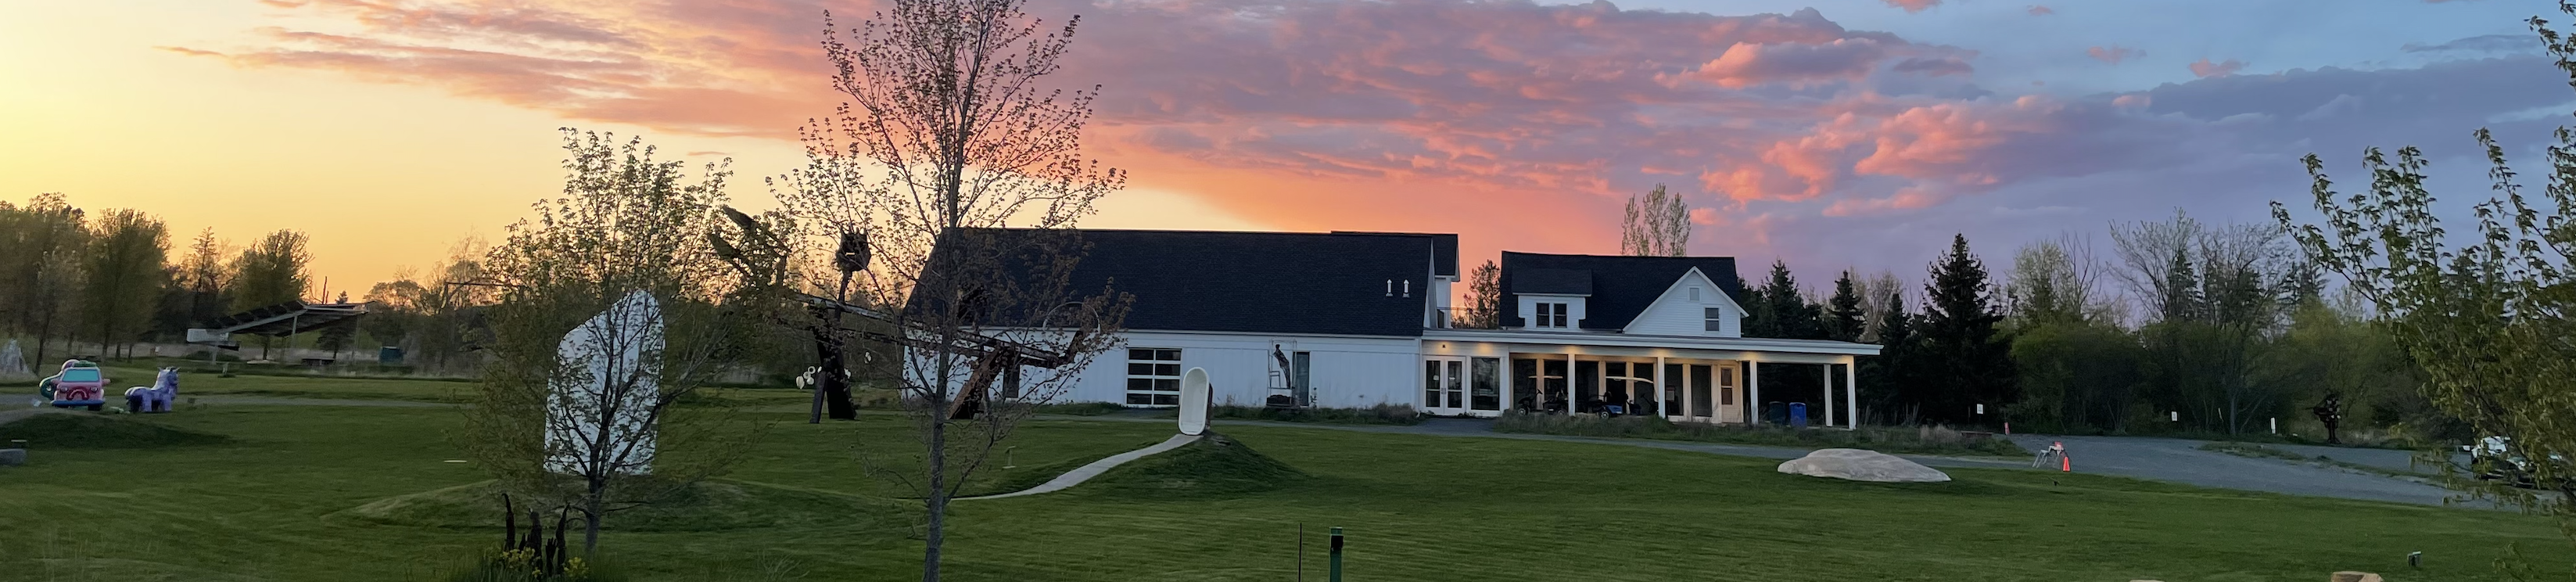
{"points": [[1830, 133]]}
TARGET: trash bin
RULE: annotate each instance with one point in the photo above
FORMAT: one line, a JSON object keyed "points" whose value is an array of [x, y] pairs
{"points": [[1798, 414], [389, 355], [1774, 412]]}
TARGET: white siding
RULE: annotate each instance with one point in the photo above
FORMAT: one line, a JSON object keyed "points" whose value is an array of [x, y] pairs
{"points": [[1676, 314], [1347, 372], [1573, 308]]}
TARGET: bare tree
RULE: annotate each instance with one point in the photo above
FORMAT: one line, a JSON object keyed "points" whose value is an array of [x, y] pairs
{"points": [[610, 317], [1657, 224], [948, 138]]}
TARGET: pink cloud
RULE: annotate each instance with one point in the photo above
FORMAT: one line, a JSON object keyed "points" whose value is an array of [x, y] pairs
{"points": [[1444, 114], [2038, 10], [2205, 69], [1914, 5], [2113, 54]]}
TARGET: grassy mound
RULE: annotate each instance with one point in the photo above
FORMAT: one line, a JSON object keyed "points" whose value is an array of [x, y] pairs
{"points": [[1213, 466], [80, 430], [714, 505]]}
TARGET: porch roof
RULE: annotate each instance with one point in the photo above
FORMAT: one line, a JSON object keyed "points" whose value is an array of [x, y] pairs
{"points": [[1679, 342]]}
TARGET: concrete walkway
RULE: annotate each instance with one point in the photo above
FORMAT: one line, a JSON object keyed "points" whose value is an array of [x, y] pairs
{"points": [[1086, 472]]}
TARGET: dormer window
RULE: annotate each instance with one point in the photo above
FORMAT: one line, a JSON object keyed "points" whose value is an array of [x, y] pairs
{"points": [[1550, 315]]}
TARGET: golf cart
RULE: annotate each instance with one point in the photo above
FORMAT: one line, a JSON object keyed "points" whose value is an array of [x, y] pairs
{"points": [[79, 385]]}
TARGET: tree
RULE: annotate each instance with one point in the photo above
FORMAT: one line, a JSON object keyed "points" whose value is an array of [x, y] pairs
{"points": [[1780, 309], [41, 255], [1484, 297], [1885, 392], [2051, 284], [1656, 224], [607, 321], [1965, 359], [2486, 321], [948, 136], [272, 271], [125, 277], [1844, 315]]}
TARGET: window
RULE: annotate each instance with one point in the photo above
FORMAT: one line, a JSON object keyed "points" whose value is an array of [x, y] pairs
{"points": [[1153, 377], [1713, 318], [1694, 294], [1550, 315]]}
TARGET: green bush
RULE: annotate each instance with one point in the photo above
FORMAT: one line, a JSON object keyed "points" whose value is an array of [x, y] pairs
{"points": [[1380, 414], [1927, 440]]}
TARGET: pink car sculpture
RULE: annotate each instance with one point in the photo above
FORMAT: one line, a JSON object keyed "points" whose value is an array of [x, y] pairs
{"points": [[80, 384]]}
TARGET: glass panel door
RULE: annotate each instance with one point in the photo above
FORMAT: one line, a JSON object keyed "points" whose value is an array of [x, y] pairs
{"points": [[1675, 406], [1456, 382], [1486, 393]]}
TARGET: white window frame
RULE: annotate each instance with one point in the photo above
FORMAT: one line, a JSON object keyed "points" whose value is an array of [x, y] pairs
{"points": [[1552, 314], [1154, 377]]}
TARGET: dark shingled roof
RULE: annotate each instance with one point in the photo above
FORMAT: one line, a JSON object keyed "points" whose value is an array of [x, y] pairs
{"points": [[1552, 282], [1620, 287], [1444, 249], [1264, 282]]}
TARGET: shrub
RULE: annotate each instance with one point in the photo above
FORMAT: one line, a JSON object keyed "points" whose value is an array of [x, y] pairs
{"points": [[1380, 414], [1926, 439]]}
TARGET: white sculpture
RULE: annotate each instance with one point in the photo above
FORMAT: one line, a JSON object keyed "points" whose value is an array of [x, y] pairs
{"points": [[1194, 401], [1862, 465], [13, 363], [610, 380]]}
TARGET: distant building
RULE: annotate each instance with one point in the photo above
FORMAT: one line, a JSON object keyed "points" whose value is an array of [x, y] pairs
{"points": [[1351, 319]]}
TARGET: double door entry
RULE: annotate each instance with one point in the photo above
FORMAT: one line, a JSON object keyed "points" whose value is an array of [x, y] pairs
{"points": [[1461, 386]]}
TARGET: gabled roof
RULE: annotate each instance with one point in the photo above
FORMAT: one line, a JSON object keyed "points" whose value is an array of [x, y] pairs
{"points": [[1620, 287], [1260, 282]]}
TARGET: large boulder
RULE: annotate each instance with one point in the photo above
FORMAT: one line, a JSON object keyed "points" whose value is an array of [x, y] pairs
{"points": [[1862, 465]]}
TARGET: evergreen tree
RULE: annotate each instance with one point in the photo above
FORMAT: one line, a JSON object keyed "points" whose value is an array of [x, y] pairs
{"points": [[1843, 316], [1965, 362], [1883, 379], [1484, 298], [1783, 311], [2182, 301]]}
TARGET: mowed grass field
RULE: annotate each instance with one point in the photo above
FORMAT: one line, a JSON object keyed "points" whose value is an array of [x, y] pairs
{"points": [[274, 502]]}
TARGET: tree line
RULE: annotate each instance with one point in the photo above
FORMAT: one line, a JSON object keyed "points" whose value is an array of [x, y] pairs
{"points": [[77, 282]]}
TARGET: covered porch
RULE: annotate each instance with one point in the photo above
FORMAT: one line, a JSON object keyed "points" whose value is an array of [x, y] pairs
{"points": [[1681, 378]]}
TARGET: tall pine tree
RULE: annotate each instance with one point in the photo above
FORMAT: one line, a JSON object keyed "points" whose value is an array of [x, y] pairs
{"points": [[1780, 310], [1843, 315], [1965, 361], [1883, 379]]}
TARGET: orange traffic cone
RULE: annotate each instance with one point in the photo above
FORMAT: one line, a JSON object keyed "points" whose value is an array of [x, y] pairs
{"points": [[2065, 464]]}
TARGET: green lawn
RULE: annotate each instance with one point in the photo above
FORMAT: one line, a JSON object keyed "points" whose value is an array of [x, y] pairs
{"points": [[271, 503]]}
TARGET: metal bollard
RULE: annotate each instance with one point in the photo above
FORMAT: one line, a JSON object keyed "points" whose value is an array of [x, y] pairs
{"points": [[1335, 564]]}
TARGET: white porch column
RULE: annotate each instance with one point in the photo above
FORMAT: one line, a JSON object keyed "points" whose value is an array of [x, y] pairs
{"points": [[1851, 391], [1506, 372], [1753, 384], [1659, 388], [1569, 382], [1829, 393]]}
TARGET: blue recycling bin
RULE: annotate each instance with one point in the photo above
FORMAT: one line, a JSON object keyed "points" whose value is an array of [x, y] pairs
{"points": [[1798, 414]]}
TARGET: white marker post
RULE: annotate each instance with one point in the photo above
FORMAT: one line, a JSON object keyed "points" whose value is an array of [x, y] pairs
{"points": [[1194, 401]]}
